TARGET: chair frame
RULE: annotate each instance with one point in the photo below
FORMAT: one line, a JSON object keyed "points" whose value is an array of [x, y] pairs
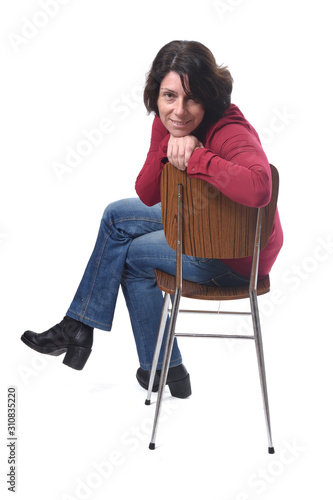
{"points": [[178, 289]]}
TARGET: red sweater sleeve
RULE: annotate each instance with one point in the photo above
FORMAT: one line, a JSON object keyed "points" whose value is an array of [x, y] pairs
{"points": [[234, 162], [149, 179]]}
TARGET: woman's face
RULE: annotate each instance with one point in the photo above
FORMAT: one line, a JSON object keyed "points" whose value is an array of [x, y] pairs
{"points": [[179, 114]]}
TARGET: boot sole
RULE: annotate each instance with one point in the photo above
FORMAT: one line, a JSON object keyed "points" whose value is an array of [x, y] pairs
{"points": [[44, 350], [180, 389], [76, 357], [145, 386]]}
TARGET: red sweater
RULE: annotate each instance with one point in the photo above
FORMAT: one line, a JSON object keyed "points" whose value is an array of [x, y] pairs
{"points": [[233, 161]]}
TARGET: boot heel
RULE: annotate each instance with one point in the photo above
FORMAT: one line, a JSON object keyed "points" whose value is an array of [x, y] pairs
{"points": [[76, 357], [182, 388]]}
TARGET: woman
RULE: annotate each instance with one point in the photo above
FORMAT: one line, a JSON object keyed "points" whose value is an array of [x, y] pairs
{"points": [[195, 128]]}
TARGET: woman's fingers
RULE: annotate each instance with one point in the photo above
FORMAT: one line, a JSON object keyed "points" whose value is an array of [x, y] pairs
{"points": [[180, 150]]}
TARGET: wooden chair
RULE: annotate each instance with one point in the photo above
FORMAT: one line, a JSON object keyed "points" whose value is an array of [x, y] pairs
{"points": [[200, 221]]}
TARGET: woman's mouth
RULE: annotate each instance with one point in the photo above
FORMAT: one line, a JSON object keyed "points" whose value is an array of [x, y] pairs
{"points": [[179, 123]]}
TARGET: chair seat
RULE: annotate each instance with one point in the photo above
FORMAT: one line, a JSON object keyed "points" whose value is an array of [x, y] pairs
{"points": [[166, 282]]}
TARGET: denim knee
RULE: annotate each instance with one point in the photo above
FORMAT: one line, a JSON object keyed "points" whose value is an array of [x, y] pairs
{"points": [[109, 210], [115, 210], [132, 217]]}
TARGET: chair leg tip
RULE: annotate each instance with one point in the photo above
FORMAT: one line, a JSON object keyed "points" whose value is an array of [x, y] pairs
{"points": [[147, 402], [152, 446], [271, 450]]}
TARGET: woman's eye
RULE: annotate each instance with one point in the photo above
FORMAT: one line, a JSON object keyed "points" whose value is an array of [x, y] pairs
{"points": [[168, 95]]}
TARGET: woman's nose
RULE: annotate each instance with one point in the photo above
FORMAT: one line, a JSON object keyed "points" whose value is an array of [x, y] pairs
{"points": [[180, 107]]}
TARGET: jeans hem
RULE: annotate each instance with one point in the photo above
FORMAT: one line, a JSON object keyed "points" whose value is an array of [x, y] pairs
{"points": [[88, 321]]}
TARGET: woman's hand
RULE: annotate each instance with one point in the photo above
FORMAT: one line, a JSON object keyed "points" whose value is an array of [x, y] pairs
{"points": [[180, 150]]}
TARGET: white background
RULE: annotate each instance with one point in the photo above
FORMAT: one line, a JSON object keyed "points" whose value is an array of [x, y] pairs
{"points": [[62, 73]]}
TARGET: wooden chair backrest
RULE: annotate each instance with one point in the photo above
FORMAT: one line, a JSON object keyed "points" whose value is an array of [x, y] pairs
{"points": [[214, 226]]}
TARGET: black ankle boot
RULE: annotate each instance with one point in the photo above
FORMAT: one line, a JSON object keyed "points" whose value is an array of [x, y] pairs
{"points": [[70, 336], [178, 380]]}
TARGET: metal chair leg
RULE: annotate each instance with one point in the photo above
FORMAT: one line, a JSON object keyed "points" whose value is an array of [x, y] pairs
{"points": [[165, 368], [159, 341], [261, 365]]}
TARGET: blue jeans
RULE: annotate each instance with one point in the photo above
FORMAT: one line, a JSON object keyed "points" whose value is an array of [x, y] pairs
{"points": [[130, 245]]}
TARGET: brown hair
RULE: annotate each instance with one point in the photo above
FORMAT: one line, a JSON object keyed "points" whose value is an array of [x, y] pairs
{"points": [[209, 84]]}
